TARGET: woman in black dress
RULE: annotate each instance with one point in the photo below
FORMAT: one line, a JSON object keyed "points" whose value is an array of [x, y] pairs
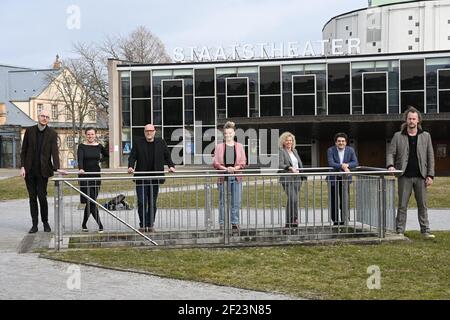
{"points": [[90, 154]]}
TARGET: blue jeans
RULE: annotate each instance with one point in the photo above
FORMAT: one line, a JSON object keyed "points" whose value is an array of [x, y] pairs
{"points": [[147, 195], [235, 188]]}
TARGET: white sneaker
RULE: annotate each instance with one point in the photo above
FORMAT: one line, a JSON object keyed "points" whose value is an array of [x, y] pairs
{"points": [[428, 235]]}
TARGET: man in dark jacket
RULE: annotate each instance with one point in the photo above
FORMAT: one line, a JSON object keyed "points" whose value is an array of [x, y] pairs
{"points": [[341, 158], [39, 158], [148, 155]]}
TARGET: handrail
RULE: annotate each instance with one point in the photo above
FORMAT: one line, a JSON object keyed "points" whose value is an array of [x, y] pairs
{"points": [[218, 174]]}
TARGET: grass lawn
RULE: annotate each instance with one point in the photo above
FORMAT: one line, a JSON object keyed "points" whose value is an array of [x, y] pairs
{"points": [[14, 188], [419, 269]]}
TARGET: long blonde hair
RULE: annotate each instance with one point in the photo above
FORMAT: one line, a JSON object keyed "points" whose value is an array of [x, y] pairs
{"points": [[283, 139]]}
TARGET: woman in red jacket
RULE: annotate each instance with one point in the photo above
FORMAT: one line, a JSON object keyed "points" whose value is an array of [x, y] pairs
{"points": [[230, 158]]}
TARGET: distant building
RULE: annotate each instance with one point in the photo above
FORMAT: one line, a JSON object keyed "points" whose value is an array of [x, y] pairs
{"points": [[24, 93], [389, 26], [314, 97]]}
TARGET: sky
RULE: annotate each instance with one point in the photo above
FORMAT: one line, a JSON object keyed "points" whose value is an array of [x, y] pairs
{"points": [[33, 32]]}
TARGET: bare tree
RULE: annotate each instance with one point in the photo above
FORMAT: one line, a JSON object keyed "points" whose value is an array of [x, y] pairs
{"points": [[70, 86], [82, 83], [140, 46]]}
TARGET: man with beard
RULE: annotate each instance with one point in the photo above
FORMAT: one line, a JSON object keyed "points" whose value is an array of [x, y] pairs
{"points": [[411, 151]]}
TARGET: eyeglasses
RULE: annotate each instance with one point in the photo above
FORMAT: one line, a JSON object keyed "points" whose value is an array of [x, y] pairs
{"points": [[149, 130], [45, 117]]}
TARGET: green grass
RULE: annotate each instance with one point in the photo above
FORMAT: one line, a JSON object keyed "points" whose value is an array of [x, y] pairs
{"points": [[263, 196], [419, 269]]}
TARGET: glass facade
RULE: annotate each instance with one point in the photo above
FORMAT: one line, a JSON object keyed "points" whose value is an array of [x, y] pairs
{"points": [[189, 101]]}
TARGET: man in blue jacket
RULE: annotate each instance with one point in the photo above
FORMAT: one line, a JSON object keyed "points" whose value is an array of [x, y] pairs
{"points": [[341, 158]]}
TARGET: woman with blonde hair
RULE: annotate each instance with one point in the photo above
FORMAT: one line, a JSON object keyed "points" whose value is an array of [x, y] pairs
{"points": [[290, 162]]}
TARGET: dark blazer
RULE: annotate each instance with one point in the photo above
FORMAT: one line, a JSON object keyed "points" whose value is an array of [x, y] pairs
{"points": [[139, 157], [335, 163], [49, 151]]}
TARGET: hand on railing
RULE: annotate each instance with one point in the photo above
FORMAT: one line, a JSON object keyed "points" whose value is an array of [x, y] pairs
{"points": [[130, 170], [81, 172], [292, 170], [62, 172], [392, 168], [22, 172], [172, 170]]}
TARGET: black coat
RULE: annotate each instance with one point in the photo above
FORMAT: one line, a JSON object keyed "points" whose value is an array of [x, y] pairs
{"points": [[139, 157], [49, 152]]}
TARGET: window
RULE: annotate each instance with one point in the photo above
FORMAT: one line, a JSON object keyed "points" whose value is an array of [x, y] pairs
{"points": [[417, 24], [410, 48], [141, 112], [351, 33], [68, 113], [40, 107], [346, 27], [339, 88], [444, 90], [270, 88], [304, 95], [410, 32], [375, 93], [417, 40], [204, 83], [338, 77], [237, 100], [141, 84], [69, 141], [173, 115], [55, 114], [92, 115], [270, 79], [410, 17], [412, 84], [172, 102], [374, 44]]}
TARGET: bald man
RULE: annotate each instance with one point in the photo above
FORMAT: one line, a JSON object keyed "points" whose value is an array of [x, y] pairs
{"points": [[39, 158], [148, 155]]}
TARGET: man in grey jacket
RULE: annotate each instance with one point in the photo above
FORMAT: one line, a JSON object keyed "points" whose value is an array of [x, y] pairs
{"points": [[411, 151]]}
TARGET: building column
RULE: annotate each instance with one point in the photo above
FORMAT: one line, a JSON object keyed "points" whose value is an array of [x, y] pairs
{"points": [[115, 140]]}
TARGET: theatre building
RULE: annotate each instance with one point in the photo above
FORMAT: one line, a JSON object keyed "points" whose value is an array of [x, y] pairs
{"points": [[363, 95]]}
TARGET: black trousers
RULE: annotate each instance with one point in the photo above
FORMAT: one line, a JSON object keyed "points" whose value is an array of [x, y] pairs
{"points": [[339, 197], [91, 208], [147, 195], [37, 189]]}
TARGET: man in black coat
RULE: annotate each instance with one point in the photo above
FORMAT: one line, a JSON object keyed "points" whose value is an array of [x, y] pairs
{"points": [[148, 155], [39, 158]]}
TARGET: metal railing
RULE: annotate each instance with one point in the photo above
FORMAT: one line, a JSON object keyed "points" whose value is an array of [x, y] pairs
{"points": [[189, 205]]}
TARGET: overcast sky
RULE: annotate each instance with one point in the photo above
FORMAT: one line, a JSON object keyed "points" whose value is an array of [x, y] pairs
{"points": [[33, 32]]}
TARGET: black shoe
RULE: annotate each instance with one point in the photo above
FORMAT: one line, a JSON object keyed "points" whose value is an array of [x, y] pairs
{"points": [[47, 227], [33, 229]]}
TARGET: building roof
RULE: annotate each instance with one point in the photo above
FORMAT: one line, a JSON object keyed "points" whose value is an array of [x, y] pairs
{"points": [[15, 116], [25, 84], [374, 4]]}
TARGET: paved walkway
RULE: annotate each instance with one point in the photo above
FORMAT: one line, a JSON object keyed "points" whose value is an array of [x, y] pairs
{"points": [[26, 276]]}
